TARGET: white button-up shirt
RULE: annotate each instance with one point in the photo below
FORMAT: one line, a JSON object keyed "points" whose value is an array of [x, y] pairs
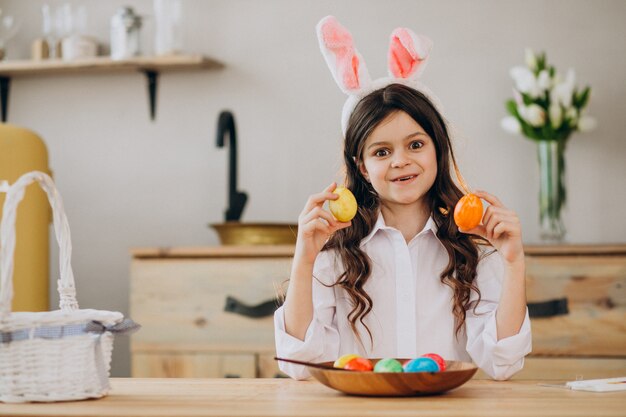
{"points": [[411, 313]]}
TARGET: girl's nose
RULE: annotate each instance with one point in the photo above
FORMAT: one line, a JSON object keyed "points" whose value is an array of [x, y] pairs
{"points": [[400, 160]]}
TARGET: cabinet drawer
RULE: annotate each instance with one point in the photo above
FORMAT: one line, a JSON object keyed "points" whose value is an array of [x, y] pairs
{"points": [[268, 367], [567, 369], [181, 302], [193, 365], [595, 289]]}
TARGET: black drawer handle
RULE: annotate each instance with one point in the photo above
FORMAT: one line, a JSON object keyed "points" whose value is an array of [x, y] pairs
{"points": [[264, 309], [549, 308]]}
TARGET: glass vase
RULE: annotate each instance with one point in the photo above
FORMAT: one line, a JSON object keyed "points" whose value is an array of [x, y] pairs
{"points": [[552, 193]]}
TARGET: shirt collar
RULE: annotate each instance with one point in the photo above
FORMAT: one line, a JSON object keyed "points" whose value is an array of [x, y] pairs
{"points": [[380, 225]]}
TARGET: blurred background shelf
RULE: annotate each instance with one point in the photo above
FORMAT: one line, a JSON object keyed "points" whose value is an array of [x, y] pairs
{"points": [[150, 66], [106, 64]]}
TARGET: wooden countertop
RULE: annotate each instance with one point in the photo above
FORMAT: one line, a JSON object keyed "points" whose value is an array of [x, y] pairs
{"points": [[263, 251], [257, 251], [134, 397]]}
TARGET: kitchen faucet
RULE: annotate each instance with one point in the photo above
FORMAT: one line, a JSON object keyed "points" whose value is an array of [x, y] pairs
{"points": [[236, 199]]}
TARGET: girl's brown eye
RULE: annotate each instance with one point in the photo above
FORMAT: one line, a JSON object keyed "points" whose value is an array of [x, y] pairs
{"points": [[416, 144], [381, 152]]}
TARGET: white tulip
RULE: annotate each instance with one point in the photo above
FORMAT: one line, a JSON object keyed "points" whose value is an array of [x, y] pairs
{"points": [[587, 124], [511, 124], [525, 81], [570, 77], [531, 60], [533, 114], [572, 115], [543, 80], [556, 115], [557, 79], [562, 93]]}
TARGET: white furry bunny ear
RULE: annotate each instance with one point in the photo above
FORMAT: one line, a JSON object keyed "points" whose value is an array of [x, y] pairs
{"points": [[345, 62], [408, 54]]}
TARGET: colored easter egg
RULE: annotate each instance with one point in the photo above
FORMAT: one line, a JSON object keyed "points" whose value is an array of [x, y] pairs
{"points": [[388, 365], [344, 208], [421, 365], [341, 362], [468, 212], [440, 361], [359, 364]]}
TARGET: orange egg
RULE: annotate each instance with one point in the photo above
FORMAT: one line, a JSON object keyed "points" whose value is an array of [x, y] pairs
{"points": [[341, 362], [468, 211], [359, 364]]}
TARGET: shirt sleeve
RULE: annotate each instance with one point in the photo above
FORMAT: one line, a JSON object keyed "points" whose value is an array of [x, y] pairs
{"points": [[321, 341], [500, 359]]}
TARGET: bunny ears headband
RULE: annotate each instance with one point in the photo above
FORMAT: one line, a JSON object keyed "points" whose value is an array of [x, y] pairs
{"points": [[406, 60]]}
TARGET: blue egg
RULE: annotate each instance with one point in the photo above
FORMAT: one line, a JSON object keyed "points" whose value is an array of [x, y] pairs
{"points": [[421, 365]]}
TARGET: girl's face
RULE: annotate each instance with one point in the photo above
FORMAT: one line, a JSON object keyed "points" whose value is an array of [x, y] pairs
{"points": [[400, 161]]}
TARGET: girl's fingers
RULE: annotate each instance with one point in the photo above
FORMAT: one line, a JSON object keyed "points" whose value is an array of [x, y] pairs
{"points": [[313, 227], [491, 199], [494, 228], [323, 227], [492, 211], [317, 213], [504, 228], [320, 198], [497, 226], [498, 215], [478, 230], [341, 225]]}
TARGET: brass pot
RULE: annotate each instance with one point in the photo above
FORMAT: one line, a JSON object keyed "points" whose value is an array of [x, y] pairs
{"points": [[236, 233]]}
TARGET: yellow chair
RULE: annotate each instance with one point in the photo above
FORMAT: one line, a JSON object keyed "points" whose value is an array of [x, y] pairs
{"points": [[21, 151]]}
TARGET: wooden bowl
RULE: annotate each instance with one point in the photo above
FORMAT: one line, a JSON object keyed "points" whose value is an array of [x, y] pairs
{"points": [[392, 384]]}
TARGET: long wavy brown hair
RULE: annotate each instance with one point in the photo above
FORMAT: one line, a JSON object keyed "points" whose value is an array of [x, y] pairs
{"points": [[463, 251]]}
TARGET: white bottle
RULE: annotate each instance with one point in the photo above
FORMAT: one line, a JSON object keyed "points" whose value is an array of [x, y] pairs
{"points": [[168, 21], [125, 26]]}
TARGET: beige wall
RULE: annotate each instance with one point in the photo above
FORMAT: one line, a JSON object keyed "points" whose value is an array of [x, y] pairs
{"points": [[131, 182]]}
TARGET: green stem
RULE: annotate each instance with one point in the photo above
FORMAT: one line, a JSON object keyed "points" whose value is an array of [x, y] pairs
{"points": [[552, 189]]}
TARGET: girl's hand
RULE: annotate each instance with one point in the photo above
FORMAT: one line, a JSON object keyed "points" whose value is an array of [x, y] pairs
{"points": [[501, 227], [315, 225]]}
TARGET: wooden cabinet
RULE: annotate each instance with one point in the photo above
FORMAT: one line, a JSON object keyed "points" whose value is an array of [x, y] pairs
{"points": [[199, 310], [187, 299], [578, 293]]}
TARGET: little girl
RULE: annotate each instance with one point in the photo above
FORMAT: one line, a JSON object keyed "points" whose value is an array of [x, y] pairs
{"points": [[401, 279]]}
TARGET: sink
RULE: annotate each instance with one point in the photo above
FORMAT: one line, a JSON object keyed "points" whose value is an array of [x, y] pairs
{"points": [[233, 231], [238, 233]]}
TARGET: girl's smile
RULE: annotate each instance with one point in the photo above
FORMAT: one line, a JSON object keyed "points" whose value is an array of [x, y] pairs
{"points": [[406, 179]]}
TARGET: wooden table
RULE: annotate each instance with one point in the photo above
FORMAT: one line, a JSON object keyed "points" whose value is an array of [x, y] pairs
{"points": [[133, 397]]}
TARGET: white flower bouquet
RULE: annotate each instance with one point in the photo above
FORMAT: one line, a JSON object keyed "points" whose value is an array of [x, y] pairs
{"points": [[546, 106]]}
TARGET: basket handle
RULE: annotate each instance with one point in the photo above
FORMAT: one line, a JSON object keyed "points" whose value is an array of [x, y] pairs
{"points": [[15, 194]]}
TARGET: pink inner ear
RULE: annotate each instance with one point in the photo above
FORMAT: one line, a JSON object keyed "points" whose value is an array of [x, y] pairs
{"points": [[351, 78], [339, 41], [403, 60]]}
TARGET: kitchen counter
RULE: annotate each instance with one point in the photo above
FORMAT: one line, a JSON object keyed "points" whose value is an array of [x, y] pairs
{"points": [[134, 397]]}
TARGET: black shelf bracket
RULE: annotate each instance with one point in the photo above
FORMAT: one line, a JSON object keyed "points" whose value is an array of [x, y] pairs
{"points": [[153, 79], [5, 83]]}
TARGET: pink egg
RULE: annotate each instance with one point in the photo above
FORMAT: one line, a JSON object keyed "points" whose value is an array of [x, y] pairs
{"points": [[440, 361]]}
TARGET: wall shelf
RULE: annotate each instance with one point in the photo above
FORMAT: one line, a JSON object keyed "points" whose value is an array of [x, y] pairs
{"points": [[150, 66]]}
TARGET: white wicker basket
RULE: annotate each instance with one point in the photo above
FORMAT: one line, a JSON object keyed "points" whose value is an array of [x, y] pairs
{"points": [[50, 356]]}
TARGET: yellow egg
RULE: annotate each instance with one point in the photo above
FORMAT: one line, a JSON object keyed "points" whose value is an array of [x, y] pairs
{"points": [[341, 362], [343, 208]]}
